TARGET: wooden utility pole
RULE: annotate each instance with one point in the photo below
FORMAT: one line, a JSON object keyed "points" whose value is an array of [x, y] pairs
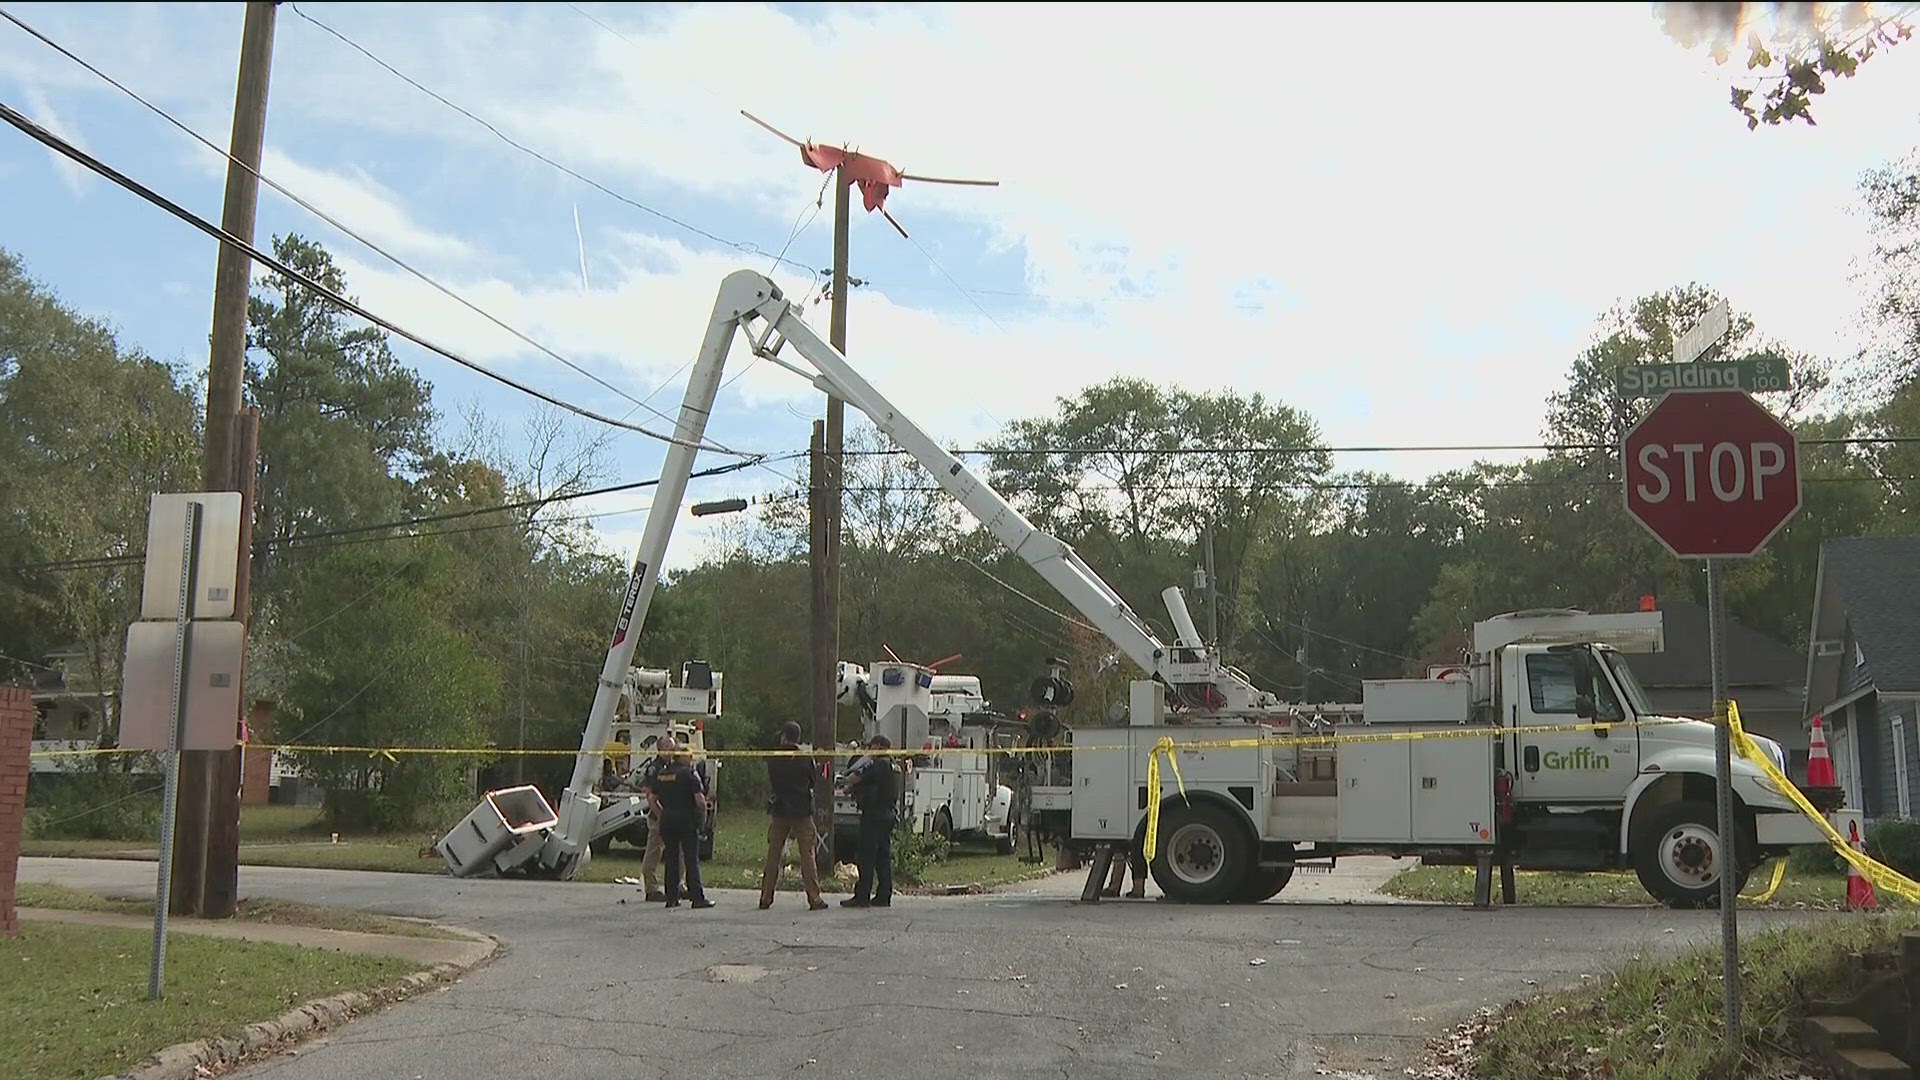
{"points": [[822, 637], [827, 458], [826, 555], [204, 773]]}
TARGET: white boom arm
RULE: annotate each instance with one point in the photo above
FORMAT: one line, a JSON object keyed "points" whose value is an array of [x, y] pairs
{"points": [[752, 303]]}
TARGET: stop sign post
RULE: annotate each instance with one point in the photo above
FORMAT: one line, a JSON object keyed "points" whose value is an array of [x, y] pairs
{"points": [[1713, 476], [1711, 473]]}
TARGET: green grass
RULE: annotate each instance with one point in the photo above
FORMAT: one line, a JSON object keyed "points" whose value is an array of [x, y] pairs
{"points": [[293, 836], [275, 912], [1660, 1020], [75, 997], [1454, 885]]}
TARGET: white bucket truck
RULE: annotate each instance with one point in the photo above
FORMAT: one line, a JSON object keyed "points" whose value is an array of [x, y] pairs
{"points": [[953, 788]]}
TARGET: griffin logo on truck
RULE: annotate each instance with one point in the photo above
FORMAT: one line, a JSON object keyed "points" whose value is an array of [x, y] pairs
{"points": [[1579, 759]]}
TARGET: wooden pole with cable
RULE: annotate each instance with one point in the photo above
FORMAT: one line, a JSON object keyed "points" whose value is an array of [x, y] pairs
{"points": [[205, 875], [827, 459]]}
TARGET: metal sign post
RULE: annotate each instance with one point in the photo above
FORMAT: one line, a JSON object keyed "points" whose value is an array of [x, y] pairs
{"points": [[170, 758], [1713, 476], [1723, 801]]}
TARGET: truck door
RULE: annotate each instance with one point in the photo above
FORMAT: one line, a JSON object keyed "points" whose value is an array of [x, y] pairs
{"points": [[1568, 765]]}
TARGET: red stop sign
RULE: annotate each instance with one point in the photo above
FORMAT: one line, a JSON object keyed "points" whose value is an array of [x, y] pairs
{"points": [[1711, 473]]}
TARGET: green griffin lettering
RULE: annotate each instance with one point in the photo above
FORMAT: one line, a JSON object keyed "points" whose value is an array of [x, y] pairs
{"points": [[1581, 759]]}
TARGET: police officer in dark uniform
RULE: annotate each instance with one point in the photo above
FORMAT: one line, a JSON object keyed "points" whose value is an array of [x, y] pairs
{"points": [[680, 801], [656, 844], [874, 784]]}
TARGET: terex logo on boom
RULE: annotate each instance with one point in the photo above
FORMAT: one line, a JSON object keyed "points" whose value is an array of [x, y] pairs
{"points": [[1581, 759]]}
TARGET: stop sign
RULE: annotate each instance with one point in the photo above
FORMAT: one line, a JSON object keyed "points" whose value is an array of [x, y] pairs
{"points": [[1711, 473]]}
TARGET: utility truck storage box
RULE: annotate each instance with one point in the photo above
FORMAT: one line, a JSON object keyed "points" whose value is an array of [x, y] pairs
{"points": [[1409, 701], [502, 817]]}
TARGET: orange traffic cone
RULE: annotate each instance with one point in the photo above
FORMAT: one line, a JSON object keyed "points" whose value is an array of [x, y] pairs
{"points": [[1819, 762], [1860, 894]]}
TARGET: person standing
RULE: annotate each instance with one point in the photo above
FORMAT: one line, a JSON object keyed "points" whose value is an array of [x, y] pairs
{"points": [[656, 846], [680, 801], [790, 813], [875, 786]]}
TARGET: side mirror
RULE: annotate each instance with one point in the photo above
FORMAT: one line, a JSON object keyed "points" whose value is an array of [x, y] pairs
{"points": [[1583, 685]]}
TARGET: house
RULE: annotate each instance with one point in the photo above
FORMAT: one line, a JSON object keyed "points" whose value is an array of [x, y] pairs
{"points": [[1764, 676], [1863, 668], [70, 711]]}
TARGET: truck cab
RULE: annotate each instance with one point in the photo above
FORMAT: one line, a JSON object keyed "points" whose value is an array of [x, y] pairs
{"points": [[1588, 796]]}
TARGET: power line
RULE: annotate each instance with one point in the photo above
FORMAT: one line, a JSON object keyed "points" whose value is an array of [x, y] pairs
{"points": [[1015, 590], [1366, 485], [744, 248], [335, 222], [1354, 644], [308, 539], [1067, 451], [62, 146]]}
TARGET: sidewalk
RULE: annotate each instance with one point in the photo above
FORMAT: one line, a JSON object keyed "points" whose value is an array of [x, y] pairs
{"points": [[469, 950]]}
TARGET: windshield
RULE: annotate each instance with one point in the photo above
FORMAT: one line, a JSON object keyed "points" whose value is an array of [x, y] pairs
{"points": [[1629, 686]]}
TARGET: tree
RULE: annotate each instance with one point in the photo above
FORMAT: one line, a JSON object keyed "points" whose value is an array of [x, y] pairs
{"points": [[1890, 389], [389, 667], [342, 421], [89, 430], [1132, 474], [1792, 68]]}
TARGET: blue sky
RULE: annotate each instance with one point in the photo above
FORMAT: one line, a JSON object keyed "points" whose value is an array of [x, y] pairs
{"points": [[1404, 220]]}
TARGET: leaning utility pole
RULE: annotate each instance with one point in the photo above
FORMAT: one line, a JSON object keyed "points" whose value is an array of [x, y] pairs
{"points": [[206, 876], [827, 471]]}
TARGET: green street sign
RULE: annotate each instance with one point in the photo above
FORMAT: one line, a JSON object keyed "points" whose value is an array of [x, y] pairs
{"points": [[1758, 375]]}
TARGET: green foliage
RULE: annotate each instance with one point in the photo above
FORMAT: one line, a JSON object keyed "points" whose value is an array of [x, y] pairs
{"points": [[94, 806], [89, 429], [342, 421], [1815, 860], [1793, 66], [1660, 1018], [914, 854], [1896, 842]]}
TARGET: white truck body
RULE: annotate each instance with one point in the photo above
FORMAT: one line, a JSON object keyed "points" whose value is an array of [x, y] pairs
{"points": [[953, 789]]}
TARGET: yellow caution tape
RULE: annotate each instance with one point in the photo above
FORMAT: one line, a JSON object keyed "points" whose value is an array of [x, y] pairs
{"points": [[1881, 875], [1476, 731], [1779, 875], [1164, 746]]}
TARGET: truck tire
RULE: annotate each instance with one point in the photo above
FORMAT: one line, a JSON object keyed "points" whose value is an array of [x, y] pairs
{"points": [[706, 846], [1262, 883], [1008, 844], [602, 845], [1203, 854], [943, 824], [1678, 857]]}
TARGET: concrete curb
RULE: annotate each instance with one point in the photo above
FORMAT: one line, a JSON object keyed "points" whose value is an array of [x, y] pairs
{"points": [[207, 1057]]}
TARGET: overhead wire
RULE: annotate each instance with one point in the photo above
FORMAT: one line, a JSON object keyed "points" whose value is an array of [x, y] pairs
{"points": [[742, 247], [336, 223], [67, 149], [309, 539]]}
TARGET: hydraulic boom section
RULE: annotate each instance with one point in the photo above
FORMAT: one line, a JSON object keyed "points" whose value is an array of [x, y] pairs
{"points": [[751, 303]]}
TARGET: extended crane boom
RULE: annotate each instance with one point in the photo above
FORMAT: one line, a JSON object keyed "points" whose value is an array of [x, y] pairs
{"points": [[754, 305]]}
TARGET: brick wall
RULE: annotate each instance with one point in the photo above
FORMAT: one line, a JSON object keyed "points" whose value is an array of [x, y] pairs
{"points": [[256, 775], [16, 739]]}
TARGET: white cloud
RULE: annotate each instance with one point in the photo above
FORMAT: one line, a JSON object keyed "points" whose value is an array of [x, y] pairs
{"points": [[362, 203], [72, 174], [1448, 195], [1430, 203]]}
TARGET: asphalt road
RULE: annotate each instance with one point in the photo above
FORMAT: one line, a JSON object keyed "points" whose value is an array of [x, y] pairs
{"points": [[1021, 984]]}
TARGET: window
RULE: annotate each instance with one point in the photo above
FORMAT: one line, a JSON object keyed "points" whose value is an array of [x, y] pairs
{"points": [[1550, 686], [1899, 726]]}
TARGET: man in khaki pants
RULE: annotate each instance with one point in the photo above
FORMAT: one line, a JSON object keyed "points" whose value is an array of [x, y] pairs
{"points": [[790, 813], [656, 844]]}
